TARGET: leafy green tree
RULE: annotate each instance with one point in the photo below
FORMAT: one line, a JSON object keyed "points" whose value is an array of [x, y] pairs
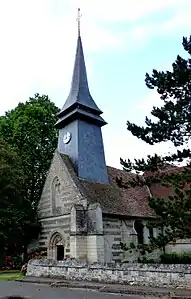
{"points": [[17, 215], [11, 188], [30, 130], [172, 123]]}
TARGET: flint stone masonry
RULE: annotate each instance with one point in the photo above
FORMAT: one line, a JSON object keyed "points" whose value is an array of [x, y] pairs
{"points": [[156, 275]]}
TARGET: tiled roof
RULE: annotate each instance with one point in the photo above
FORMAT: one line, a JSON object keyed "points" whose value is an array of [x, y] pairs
{"points": [[157, 190], [113, 199], [121, 201], [116, 200]]}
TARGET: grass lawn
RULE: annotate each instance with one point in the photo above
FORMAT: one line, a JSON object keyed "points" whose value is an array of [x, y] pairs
{"points": [[10, 275]]}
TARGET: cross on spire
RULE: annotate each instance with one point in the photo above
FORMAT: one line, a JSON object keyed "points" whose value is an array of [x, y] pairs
{"points": [[78, 20]]}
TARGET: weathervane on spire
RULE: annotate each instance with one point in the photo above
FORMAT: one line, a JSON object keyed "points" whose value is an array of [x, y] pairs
{"points": [[78, 20]]}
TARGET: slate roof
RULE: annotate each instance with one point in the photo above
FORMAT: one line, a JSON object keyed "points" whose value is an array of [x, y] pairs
{"points": [[79, 91], [79, 104]]}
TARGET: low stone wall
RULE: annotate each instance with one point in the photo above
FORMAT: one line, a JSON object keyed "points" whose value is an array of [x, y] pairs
{"points": [[139, 274]]}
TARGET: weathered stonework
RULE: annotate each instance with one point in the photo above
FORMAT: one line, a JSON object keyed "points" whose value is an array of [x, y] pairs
{"points": [[66, 190], [140, 274], [60, 194]]}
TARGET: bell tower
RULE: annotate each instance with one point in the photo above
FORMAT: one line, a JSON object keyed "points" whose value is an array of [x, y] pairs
{"points": [[79, 124]]}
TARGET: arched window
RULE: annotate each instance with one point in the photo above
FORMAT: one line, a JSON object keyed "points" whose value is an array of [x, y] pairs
{"points": [[56, 194]]}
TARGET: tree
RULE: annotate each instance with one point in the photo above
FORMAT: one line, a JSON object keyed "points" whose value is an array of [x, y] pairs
{"points": [[172, 123], [29, 129], [11, 191], [16, 212]]}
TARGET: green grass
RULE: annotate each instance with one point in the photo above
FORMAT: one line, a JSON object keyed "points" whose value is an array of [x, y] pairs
{"points": [[7, 275]]}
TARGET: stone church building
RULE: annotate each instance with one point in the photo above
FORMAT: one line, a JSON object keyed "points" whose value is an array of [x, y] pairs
{"points": [[83, 212]]}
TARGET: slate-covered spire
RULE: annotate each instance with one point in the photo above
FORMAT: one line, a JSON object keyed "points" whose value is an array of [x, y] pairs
{"points": [[79, 103], [79, 124]]}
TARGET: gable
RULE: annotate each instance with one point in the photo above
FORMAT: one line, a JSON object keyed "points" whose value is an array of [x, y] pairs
{"points": [[60, 190]]}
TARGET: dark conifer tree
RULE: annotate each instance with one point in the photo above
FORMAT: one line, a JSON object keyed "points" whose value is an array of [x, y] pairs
{"points": [[173, 123]]}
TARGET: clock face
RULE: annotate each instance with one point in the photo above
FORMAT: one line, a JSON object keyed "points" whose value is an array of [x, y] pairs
{"points": [[67, 137]]}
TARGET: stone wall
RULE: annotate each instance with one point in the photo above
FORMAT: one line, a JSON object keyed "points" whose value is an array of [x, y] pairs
{"points": [[139, 274], [181, 246]]}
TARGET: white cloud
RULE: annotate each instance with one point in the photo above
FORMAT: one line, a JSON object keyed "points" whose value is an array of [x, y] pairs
{"points": [[38, 39], [37, 49], [38, 45], [178, 24], [127, 146], [124, 10]]}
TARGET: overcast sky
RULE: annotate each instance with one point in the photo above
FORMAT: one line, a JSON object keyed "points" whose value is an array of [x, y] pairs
{"points": [[122, 40]]}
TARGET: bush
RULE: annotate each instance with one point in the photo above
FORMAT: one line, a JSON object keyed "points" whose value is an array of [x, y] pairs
{"points": [[18, 261], [145, 260], [174, 258], [2, 257], [11, 263]]}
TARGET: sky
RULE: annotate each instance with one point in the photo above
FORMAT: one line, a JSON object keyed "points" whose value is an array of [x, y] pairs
{"points": [[122, 40]]}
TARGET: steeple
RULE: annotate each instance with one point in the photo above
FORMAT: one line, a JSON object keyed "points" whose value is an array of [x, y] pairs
{"points": [[80, 102], [80, 123]]}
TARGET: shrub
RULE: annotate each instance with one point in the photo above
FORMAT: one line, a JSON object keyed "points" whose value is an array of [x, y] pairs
{"points": [[145, 260], [18, 261], [175, 258], [11, 263]]}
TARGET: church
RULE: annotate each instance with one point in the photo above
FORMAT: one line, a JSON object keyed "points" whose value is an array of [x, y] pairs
{"points": [[83, 212]]}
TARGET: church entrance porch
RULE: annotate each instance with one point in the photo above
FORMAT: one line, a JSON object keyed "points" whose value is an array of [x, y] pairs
{"points": [[56, 248]]}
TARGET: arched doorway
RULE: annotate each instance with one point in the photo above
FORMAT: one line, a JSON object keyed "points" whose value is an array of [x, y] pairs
{"points": [[56, 247]]}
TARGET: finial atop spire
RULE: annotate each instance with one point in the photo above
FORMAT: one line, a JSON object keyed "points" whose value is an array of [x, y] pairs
{"points": [[78, 19]]}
